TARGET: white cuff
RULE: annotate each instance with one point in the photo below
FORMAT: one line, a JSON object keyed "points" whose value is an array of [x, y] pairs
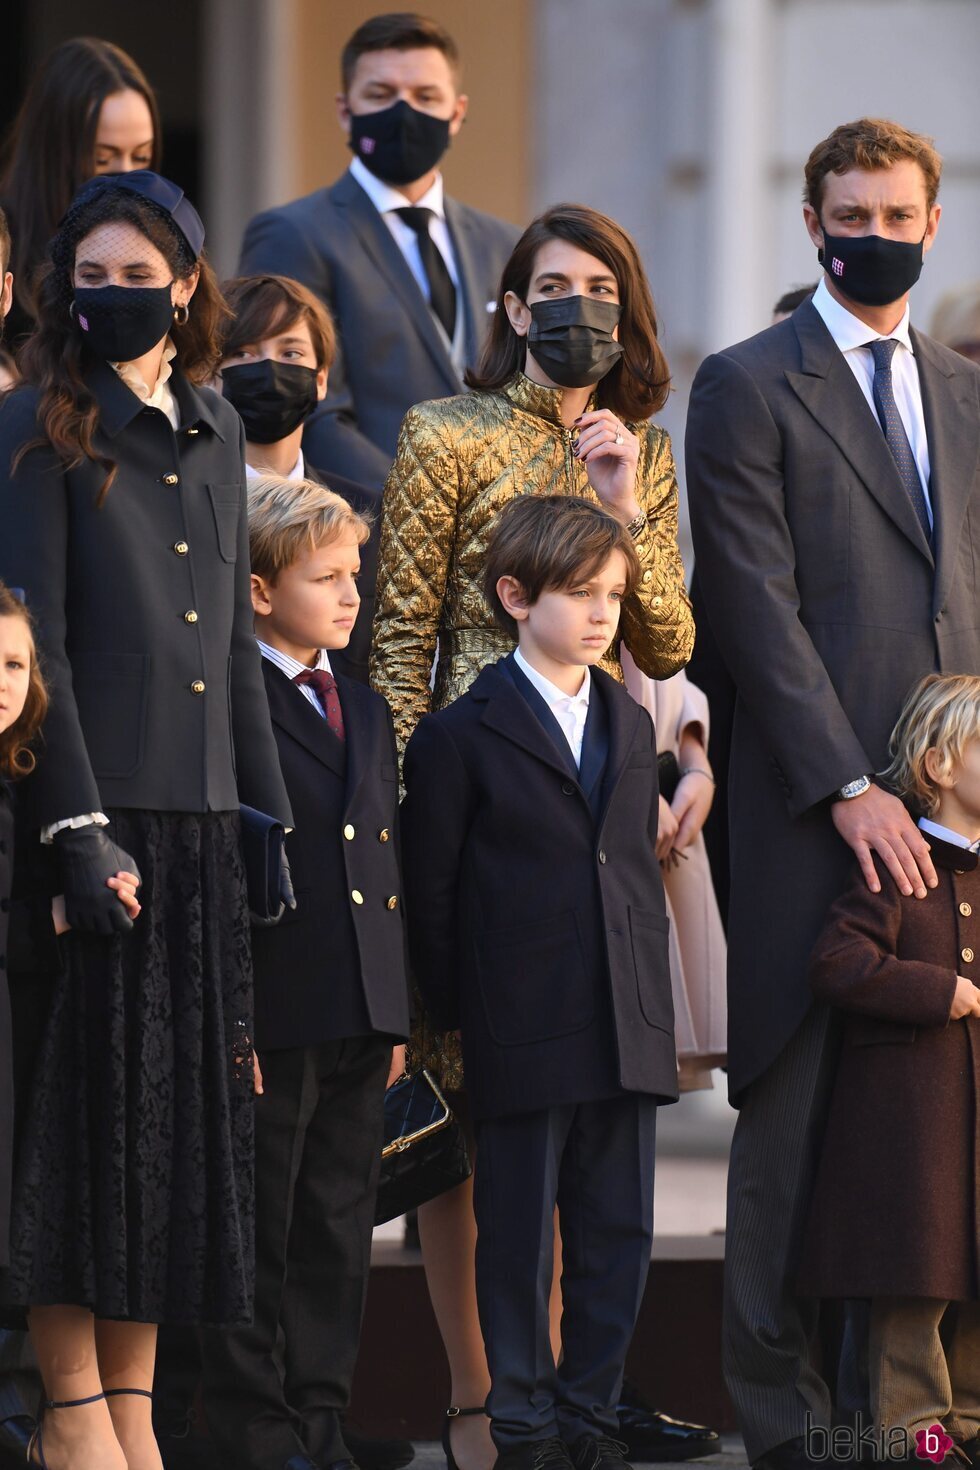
{"points": [[97, 819]]}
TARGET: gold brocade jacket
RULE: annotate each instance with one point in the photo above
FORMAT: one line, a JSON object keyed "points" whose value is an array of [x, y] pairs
{"points": [[459, 460]]}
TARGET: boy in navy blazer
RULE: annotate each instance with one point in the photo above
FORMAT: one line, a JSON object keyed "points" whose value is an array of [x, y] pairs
{"points": [[331, 1000], [537, 927]]}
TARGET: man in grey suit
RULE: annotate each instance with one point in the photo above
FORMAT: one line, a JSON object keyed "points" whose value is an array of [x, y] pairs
{"points": [[408, 274], [834, 489]]}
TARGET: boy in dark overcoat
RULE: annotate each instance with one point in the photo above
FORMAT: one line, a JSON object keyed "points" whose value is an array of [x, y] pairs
{"points": [[537, 926], [895, 1206]]}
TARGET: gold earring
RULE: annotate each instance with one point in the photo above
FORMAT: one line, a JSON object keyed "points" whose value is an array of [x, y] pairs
{"points": [[182, 320]]}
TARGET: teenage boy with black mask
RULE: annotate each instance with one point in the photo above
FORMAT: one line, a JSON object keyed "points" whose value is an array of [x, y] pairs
{"points": [[406, 272], [278, 350]]}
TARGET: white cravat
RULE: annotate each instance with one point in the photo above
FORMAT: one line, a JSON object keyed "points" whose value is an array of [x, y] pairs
{"points": [[852, 336], [570, 710], [161, 395]]}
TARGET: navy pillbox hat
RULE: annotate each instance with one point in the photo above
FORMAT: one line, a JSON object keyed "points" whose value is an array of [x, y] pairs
{"points": [[162, 192]]}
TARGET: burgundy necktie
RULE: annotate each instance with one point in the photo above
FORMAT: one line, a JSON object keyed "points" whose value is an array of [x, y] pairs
{"points": [[325, 688]]}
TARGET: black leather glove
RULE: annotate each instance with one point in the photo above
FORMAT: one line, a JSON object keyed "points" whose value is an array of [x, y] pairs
{"points": [[88, 859], [287, 898]]}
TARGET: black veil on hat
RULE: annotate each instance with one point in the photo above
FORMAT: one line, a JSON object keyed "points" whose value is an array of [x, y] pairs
{"points": [[164, 193]]}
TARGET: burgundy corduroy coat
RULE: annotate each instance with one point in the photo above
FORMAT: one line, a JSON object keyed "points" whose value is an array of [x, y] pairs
{"points": [[897, 1196]]}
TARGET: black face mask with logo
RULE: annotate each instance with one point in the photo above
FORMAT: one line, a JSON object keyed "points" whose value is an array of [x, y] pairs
{"points": [[399, 144], [870, 269], [121, 323], [271, 398], [571, 339]]}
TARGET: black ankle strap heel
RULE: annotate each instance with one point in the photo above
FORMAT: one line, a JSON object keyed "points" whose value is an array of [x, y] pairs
{"points": [[36, 1443], [455, 1413], [113, 1393]]}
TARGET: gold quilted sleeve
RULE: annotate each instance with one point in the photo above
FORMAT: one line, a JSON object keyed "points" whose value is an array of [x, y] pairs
{"points": [[418, 525], [657, 624]]}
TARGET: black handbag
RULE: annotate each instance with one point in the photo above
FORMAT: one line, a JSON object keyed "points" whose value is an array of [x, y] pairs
{"points": [[263, 839], [668, 775], [424, 1152]]}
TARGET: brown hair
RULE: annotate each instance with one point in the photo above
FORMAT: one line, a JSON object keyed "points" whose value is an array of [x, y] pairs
{"points": [[16, 755], [639, 383], [267, 306], [870, 143], [51, 146], [288, 517], [52, 358], [941, 713], [548, 543], [4, 245], [403, 30]]}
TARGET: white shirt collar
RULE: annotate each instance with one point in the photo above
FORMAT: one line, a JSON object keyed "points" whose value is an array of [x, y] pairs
{"points": [[946, 834], [291, 666], [847, 330], [385, 197], [298, 471], [550, 692], [161, 395]]}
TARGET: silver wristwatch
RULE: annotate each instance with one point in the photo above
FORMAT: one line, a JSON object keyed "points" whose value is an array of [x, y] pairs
{"points": [[854, 788]]}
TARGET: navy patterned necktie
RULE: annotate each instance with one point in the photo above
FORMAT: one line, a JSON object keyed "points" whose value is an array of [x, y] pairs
{"points": [[442, 292], [325, 688], [883, 350]]}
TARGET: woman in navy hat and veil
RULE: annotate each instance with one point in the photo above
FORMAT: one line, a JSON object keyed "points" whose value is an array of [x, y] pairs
{"points": [[123, 510]]}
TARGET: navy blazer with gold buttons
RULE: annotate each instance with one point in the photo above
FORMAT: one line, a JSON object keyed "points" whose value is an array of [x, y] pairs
{"points": [[537, 921], [143, 608]]}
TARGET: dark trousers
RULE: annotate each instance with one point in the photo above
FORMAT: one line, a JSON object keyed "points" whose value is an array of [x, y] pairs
{"points": [[594, 1160], [276, 1389]]}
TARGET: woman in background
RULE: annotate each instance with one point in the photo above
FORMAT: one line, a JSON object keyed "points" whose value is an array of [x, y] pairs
{"points": [[88, 110]]}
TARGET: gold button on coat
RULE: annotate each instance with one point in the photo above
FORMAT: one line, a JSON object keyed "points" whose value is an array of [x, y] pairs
{"points": [[393, 902], [357, 895], [648, 576], [190, 616], [181, 548], [349, 832], [198, 686], [383, 835], [966, 909], [170, 479], [966, 955], [602, 856]]}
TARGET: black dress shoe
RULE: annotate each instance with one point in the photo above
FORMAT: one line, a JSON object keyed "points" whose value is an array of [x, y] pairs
{"points": [[651, 1436], [598, 1452], [15, 1436], [378, 1454], [535, 1454]]}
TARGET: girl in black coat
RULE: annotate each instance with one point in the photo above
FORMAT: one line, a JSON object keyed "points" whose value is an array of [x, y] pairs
{"points": [[123, 508]]}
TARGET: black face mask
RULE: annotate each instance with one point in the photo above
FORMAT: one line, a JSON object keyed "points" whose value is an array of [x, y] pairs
{"points": [[120, 323], [399, 144], [272, 398], [572, 339], [870, 269]]}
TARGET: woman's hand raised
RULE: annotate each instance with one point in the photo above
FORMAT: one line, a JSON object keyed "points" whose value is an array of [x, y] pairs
{"points": [[610, 454]]}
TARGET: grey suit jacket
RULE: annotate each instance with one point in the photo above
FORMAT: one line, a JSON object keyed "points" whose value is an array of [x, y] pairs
{"points": [[392, 353], [828, 604]]}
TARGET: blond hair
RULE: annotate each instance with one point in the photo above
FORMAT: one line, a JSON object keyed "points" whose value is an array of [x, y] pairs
{"points": [[288, 517], [942, 713]]}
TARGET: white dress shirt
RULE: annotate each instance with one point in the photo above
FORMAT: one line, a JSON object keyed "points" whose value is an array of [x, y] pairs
{"points": [[852, 336], [570, 710], [386, 199], [946, 834], [298, 471], [291, 667]]}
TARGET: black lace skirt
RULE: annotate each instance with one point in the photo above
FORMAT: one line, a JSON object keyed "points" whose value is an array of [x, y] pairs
{"points": [[133, 1187]]}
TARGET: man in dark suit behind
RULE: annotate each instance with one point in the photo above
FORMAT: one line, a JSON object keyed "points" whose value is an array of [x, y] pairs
{"points": [[832, 468], [409, 275]]}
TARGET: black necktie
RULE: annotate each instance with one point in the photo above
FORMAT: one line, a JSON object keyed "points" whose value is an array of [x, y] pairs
{"points": [[883, 350], [442, 292]]}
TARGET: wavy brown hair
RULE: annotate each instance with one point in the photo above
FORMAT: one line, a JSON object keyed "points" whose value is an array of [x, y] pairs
{"points": [[638, 385], [16, 754], [50, 150], [53, 358]]}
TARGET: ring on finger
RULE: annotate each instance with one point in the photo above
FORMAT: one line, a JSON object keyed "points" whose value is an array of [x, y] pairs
{"points": [[619, 437]]}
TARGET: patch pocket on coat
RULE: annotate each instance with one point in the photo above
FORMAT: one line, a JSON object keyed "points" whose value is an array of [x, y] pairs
{"points": [[226, 503], [534, 981], [648, 936], [111, 691]]}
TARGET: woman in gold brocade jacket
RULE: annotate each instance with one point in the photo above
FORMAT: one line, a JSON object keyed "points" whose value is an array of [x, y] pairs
{"points": [[562, 401]]}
